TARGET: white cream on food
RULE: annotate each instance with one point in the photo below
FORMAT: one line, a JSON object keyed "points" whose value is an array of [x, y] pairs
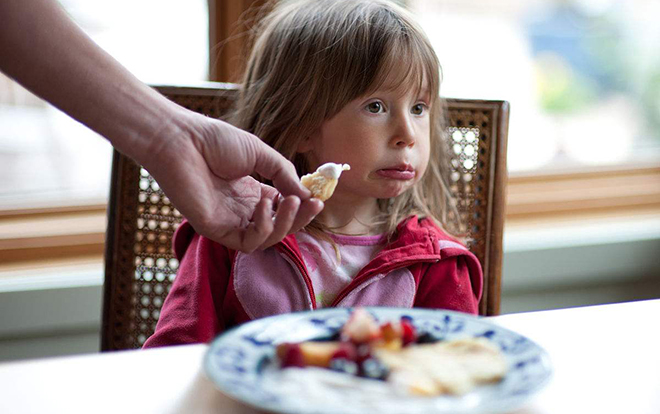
{"points": [[332, 170]]}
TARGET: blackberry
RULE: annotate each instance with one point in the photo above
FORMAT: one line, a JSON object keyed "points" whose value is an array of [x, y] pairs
{"points": [[344, 365], [374, 369], [426, 338], [363, 352]]}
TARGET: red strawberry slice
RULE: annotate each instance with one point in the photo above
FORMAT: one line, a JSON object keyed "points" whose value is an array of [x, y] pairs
{"points": [[409, 332], [346, 351], [290, 355]]}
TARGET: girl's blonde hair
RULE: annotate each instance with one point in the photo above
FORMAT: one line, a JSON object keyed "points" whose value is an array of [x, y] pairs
{"points": [[312, 57]]}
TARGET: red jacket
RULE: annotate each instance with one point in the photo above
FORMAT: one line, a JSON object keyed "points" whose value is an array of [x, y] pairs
{"points": [[217, 288]]}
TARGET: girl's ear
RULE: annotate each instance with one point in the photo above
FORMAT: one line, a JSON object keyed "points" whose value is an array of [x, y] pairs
{"points": [[305, 145]]}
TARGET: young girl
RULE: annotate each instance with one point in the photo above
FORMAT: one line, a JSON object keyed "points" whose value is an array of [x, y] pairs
{"points": [[341, 81]]}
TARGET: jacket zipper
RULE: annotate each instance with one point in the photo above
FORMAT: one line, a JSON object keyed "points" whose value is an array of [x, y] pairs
{"points": [[301, 268], [362, 278]]}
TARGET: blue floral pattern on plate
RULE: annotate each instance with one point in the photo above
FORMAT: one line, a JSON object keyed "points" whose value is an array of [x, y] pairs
{"points": [[236, 360]]}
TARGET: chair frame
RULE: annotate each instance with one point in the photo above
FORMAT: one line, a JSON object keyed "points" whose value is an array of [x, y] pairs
{"points": [[491, 252], [120, 300]]}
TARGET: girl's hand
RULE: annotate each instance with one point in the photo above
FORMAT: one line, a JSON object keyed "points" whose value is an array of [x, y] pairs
{"points": [[205, 172]]}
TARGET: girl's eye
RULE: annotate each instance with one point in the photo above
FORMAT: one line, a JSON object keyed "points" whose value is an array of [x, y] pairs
{"points": [[418, 109], [375, 107]]}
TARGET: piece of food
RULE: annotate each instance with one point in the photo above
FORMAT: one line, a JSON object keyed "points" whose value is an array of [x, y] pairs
{"points": [[311, 353], [391, 336], [445, 367], [408, 332], [373, 368], [344, 365], [395, 352], [361, 327], [322, 183], [290, 355]]}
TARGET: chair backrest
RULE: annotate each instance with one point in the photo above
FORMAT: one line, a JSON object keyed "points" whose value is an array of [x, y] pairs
{"points": [[140, 266]]}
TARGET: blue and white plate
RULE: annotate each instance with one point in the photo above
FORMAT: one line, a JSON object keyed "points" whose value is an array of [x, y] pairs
{"points": [[242, 364]]}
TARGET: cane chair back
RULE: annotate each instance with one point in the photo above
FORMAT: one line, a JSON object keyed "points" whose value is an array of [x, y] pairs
{"points": [[140, 265]]}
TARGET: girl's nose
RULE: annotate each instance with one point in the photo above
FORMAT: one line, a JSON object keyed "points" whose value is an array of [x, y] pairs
{"points": [[404, 135]]}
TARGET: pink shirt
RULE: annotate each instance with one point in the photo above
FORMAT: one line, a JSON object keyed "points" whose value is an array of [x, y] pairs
{"points": [[329, 276]]}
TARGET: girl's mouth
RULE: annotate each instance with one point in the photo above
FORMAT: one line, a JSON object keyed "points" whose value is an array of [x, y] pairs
{"points": [[399, 172]]}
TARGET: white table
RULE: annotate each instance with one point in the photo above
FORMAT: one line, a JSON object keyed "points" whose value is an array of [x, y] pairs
{"points": [[606, 360]]}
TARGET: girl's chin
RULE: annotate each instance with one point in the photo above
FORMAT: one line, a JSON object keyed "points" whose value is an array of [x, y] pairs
{"points": [[391, 191]]}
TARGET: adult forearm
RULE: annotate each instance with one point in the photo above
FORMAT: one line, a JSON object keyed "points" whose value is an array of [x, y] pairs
{"points": [[43, 49], [202, 164]]}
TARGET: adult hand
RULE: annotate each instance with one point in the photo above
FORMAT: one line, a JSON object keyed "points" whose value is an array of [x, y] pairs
{"points": [[205, 169]]}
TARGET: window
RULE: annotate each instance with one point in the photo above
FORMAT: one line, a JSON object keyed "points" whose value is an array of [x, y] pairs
{"points": [[46, 158], [582, 76], [54, 172]]}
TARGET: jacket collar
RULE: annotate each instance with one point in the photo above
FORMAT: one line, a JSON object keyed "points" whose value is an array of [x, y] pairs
{"points": [[414, 240]]}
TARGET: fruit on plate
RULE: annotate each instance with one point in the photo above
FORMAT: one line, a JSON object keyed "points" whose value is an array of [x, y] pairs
{"points": [[394, 351], [361, 327], [359, 336], [444, 367]]}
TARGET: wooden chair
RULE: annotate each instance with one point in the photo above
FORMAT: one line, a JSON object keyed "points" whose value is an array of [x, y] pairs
{"points": [[140, 266]]}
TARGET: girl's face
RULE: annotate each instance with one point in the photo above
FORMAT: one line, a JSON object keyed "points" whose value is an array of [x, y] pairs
{"points": [[384, 136]]}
